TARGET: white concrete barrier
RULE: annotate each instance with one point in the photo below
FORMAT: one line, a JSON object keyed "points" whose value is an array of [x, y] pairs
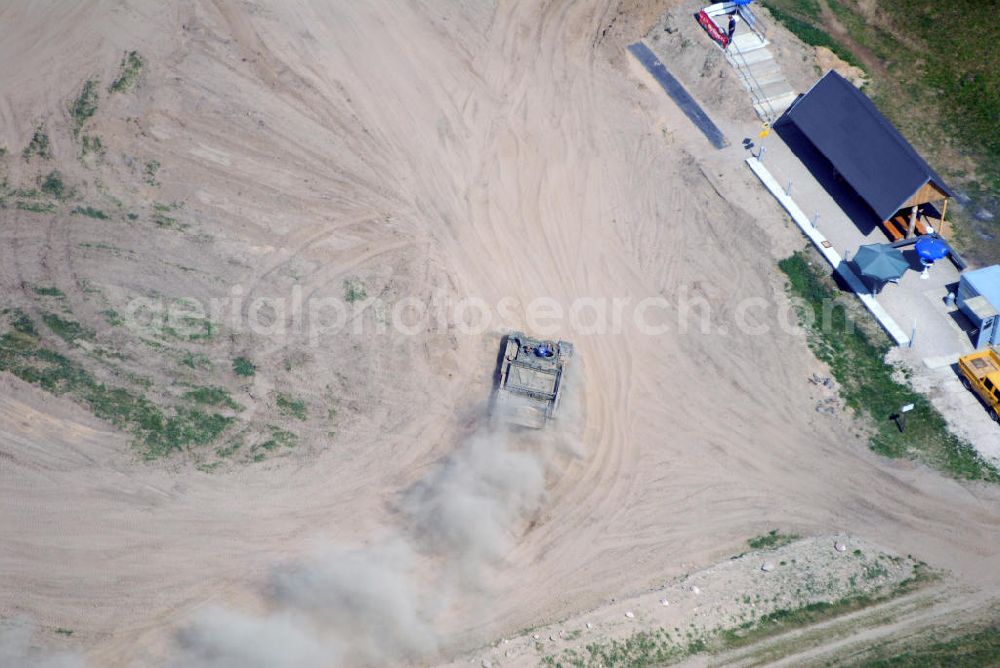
{"points": [[831, 255]]}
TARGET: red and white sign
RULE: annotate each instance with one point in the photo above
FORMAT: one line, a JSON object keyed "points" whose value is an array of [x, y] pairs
{"points": [[712, 28]]}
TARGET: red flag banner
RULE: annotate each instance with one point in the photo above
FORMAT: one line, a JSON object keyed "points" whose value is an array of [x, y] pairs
{"points": [[712, 29]]}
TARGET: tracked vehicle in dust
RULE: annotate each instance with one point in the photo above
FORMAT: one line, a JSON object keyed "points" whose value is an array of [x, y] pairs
{"points": [[530, 379]]}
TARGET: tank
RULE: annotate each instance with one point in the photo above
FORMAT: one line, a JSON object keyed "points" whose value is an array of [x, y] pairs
{"points": [[530, 379]]}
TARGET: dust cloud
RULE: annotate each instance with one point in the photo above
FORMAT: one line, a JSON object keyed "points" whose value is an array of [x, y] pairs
{"points": [[376, 604], [17, 650]]}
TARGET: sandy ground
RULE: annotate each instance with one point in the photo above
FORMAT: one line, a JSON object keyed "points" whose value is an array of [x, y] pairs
{"points": [[507, 151]]}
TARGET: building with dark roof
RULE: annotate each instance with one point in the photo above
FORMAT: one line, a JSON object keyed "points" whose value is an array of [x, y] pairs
{"points": [[870, 155]]}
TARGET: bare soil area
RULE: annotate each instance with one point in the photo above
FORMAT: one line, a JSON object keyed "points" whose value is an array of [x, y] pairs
{"points": [[405, 151]]}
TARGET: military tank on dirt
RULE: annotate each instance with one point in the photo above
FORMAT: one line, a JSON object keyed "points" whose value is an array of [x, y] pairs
{"points": [[530, 380]]}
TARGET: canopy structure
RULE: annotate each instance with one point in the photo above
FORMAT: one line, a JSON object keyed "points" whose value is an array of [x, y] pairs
{"points": [[880, 262], [868, 152]]}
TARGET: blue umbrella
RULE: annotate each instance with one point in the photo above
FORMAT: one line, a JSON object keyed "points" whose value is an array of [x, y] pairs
{"points": [[881, 262], [931, 249]]}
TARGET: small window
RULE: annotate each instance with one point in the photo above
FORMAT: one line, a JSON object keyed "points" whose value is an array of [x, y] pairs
{"points": [[996, 394], [988, 383]]}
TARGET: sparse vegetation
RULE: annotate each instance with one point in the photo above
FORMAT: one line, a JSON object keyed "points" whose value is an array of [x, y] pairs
{"points": [[53, 185], [36, 207], [190, 328], [160, 219], [90, 212], [48, 291], [230, 448], [244, 367], [195, 361], [112, 317], [212, 396], [354, 291], [67, 330], [128, 73], [771, 540], [91, 146], [84, 106], [646, 648], [280, 438], [157, 432], [39, 145], [291, 406], [64, 631], [149, 173], [855, 354]]}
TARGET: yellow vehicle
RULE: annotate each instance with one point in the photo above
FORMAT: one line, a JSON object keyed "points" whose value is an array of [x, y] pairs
{"points": [[981, 374]]}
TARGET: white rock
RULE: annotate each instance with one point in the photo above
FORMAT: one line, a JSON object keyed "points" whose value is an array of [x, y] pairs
{"points": [[664, 602], [536, 636], [589, 625], [695, 589], [767, 567], [552, 638], [840, 547], [487, 663], [630, 614]]}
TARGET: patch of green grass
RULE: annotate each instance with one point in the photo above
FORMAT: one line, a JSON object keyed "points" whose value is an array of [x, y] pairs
{"points": [[354, 291], [49, 291], [193, 329], [149, 173], [280, 438], [67, 330], [291, 406], [244, 367], [91, 145], [90, 212], [771, 540], [161, 219], [84, 106], [195, 361], [961, 69], [128, 72], [39, 145], [802, 19], [212, 396], [64, 632], [230, 448], [855, 355], [53, 185], [20, 322]]}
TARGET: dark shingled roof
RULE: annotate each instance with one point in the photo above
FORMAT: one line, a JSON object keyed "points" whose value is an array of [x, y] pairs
{"points": [[863, 146]]}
